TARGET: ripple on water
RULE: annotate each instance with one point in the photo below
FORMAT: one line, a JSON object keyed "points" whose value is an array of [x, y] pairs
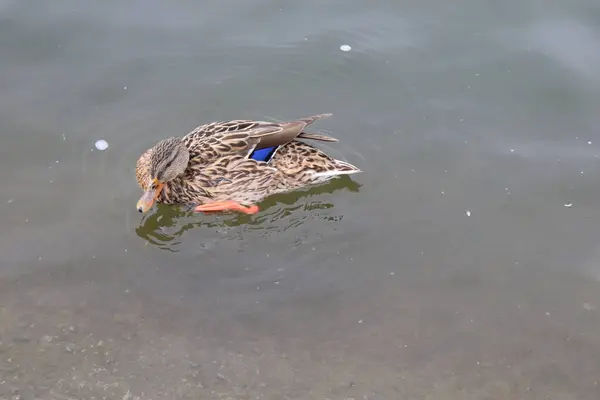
{"points": [[167, 227]]}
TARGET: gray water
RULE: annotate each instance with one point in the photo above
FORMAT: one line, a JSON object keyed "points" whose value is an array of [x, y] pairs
{"points": [[464, 263]]}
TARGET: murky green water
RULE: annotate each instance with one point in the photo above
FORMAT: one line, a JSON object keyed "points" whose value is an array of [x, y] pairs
{"points": [[462, 264]]}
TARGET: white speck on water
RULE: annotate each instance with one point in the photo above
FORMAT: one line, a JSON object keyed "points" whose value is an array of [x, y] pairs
{"points": [[64, 137], [125, 88], [392, 273], [548, 313], [462, 120], [442, 192], [576, 137], [56, 161], [360, 321], [276, 282], [125, 250], [51, 181], [40, 258], [569, 205], [101, 144], [94, 257], [590, 142], [589, 307], [345, 47], [476, 74], [512, 150], [468, 213], [26, 220], [10, 201]]}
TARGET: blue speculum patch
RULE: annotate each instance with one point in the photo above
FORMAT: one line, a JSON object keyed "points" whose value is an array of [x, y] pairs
{"points": [[263, 154]]}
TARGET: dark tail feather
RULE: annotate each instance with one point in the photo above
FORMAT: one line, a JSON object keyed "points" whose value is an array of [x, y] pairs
{"points": [[311, 119], [317, 136]]}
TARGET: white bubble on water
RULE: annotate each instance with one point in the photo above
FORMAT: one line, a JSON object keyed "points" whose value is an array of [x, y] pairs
{"points": [[101, 144], [345, 47], [589, 307]]}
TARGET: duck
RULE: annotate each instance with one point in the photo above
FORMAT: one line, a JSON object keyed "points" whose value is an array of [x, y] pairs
{"points": [[230, 166]]}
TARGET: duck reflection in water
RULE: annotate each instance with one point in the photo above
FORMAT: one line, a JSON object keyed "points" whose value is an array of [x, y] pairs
{"points": [[166, 226]]}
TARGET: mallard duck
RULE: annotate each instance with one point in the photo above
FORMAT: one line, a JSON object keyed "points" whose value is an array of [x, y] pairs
{"points": [[231, 166]]}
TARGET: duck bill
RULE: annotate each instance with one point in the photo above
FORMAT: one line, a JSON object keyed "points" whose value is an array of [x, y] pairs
{"points": [[148, 198]]}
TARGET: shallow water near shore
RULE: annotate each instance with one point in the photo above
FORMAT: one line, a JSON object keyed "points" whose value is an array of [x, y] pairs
{"points": [[463, 263]]}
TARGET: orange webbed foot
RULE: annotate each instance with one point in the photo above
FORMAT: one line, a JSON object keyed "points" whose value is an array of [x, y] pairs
{"points": [[228, 205]]}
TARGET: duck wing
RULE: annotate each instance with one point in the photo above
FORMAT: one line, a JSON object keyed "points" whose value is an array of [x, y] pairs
{"points": [[207, 143]]}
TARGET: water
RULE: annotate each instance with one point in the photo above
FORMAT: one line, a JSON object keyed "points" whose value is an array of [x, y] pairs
{"points": [[463, 263]]}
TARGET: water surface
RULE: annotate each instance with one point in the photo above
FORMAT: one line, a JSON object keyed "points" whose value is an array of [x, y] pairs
{"points": [[462, 264]]}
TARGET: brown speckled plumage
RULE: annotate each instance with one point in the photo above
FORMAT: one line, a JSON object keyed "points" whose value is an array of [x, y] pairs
{"points": [[219, 167]]}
